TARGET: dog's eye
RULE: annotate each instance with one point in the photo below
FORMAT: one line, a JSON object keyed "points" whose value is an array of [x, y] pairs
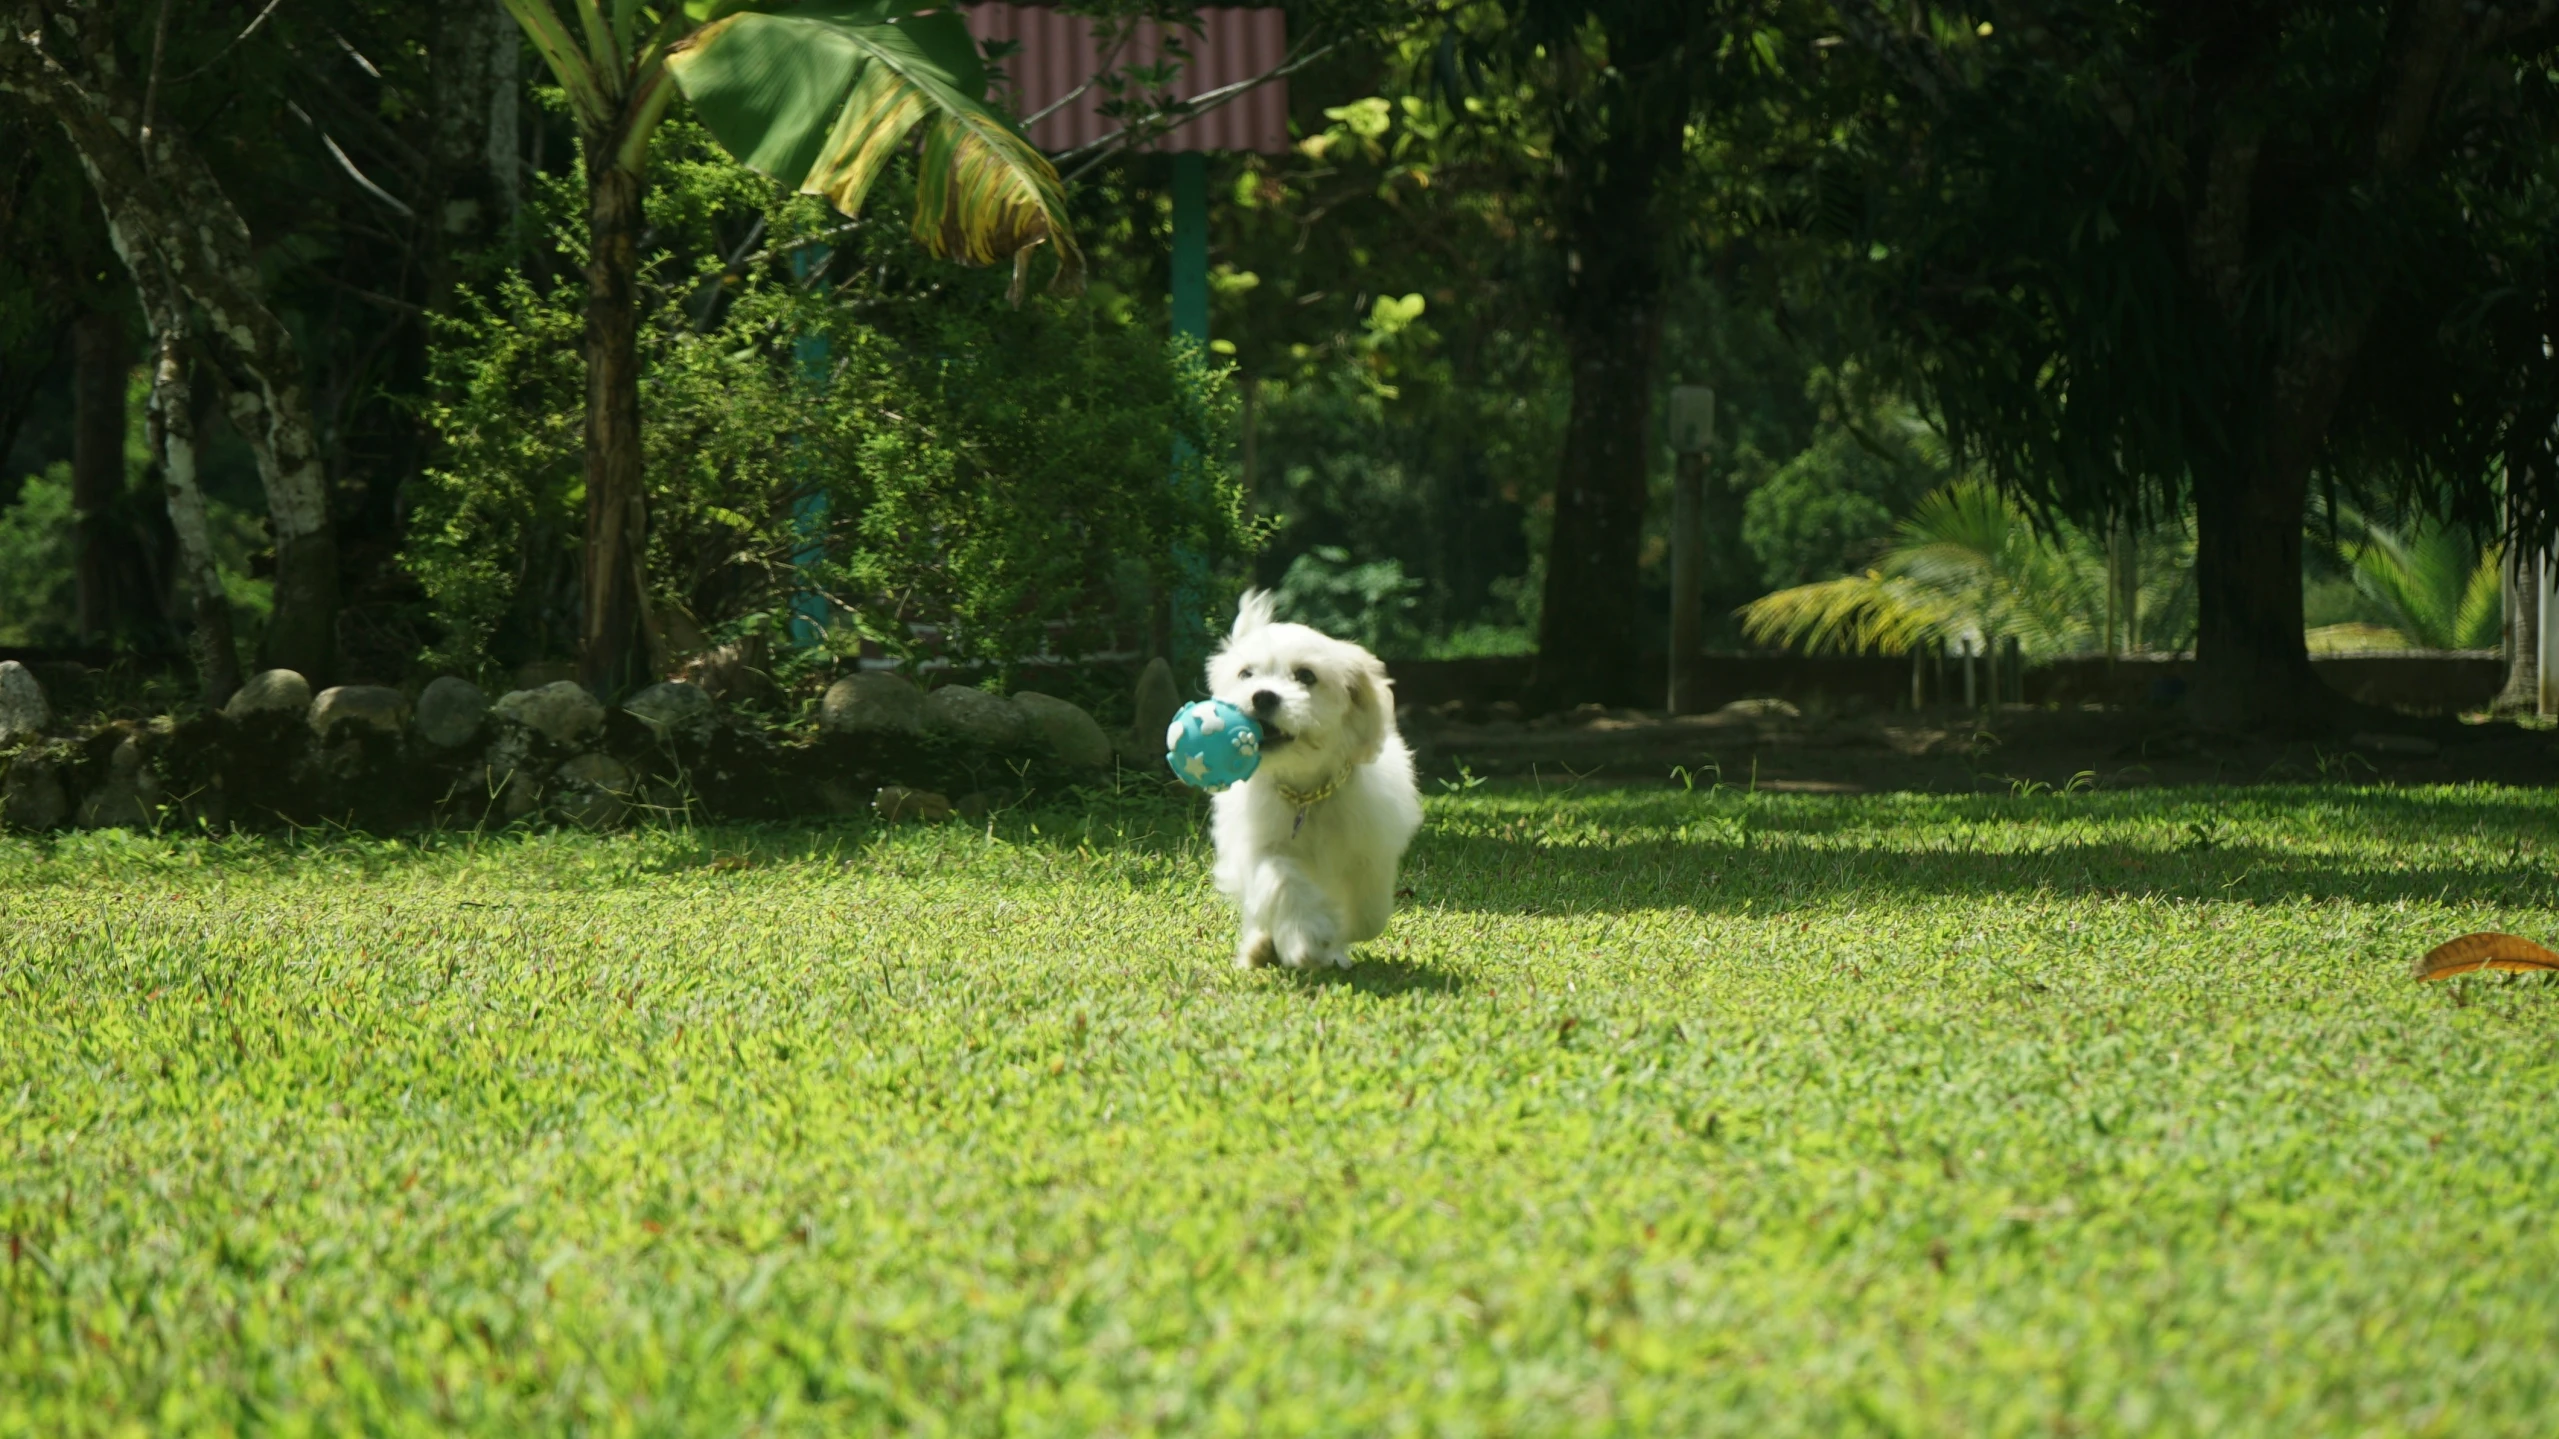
{"points": [[1245, 675], [1306, 678]]}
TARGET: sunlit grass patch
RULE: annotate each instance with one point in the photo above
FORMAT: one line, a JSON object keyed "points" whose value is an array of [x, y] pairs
{"points": [[1654, 1112]]}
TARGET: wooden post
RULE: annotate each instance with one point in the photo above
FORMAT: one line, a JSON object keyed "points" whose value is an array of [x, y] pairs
{"points": [[1692, 431]]}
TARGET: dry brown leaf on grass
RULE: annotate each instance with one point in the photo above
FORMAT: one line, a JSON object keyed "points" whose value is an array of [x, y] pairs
{"points": [[2486, 950]]}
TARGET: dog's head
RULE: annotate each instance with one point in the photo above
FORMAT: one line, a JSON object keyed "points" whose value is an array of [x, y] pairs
{"points": [[1324, 704]]}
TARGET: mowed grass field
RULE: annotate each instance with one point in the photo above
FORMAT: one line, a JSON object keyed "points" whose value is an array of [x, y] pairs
{"points": [[1655, 1112]]}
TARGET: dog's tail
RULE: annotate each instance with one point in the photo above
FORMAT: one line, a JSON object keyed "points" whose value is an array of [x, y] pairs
{"points": [[1252, 612]]}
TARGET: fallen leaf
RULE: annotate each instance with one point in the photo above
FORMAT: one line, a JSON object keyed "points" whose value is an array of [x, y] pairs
{"points": [[2486, 950]]}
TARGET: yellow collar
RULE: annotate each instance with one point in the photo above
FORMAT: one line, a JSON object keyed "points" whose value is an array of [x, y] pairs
{"points": [[1306, 799]]}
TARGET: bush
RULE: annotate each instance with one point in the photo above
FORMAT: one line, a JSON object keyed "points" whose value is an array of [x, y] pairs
{"points": [[829, 418]]}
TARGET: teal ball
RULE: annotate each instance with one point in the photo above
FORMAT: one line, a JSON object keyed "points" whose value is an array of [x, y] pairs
{"points": [[1212, 744]]}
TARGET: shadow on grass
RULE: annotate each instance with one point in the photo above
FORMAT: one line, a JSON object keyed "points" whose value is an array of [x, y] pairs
{"points": [[1497, 876], [1383, 978], [1603, 850]]}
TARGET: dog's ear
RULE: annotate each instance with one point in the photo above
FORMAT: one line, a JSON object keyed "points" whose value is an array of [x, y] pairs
{"points": [[1252, 612], [1372, 712]]}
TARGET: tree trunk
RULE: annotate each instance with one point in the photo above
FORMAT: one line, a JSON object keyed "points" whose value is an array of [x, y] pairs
{"points": [[180, 236], [1588, 628], [97, 469], [2252, 668], [268, 408], [472, 143], [610, 653], [172, 432], [2520, 568]]}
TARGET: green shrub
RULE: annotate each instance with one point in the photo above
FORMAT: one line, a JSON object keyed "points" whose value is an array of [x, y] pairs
{"points": [[825, 413]]}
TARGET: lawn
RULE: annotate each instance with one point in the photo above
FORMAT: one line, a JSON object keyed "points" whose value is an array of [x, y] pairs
{"points": [[1656, 1112]]}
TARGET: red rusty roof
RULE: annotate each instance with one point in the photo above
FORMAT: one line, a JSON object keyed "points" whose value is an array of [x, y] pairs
{"points": [[1059, 53]]}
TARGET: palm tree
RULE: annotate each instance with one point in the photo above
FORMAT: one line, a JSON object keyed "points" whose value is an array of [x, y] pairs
{"points": [[2434, 586], [1969, 564], [819, 95]]}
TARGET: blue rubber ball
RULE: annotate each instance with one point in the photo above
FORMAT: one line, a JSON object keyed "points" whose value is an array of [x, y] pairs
{"points": [[1212, 744]]}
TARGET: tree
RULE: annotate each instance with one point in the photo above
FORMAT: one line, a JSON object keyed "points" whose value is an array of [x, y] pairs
{"points": [[187, 248], [2138, 255], [820, 95], [1619, 98]]}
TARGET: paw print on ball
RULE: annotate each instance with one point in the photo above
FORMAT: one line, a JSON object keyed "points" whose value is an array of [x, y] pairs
{"points": [[1211, 744]]}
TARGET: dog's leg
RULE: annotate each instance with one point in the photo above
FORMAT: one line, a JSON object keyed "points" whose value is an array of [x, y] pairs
{"points": [[1258, 893], [1255, 950], [1289, 918]]}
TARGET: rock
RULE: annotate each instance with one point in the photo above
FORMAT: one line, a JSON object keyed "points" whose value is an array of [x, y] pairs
{"points": [[896, 802], [359, 709], [127, 797], [738, 672], [270, 692], [593, 790], [519, 791], [1755, 709], [675, 708], [1071, 734], [1157, 702], [534, 674], [2409, 745], [561, 712], [450, 712], [976, 716], [23, 711], [874, 702], [31, 795]]}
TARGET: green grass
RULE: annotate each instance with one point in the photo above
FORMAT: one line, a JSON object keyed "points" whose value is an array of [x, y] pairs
{"points": [[1654, 1113]]}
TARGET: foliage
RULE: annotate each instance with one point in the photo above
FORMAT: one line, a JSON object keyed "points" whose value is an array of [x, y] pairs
{"points": [[1377, 289], [823, 96], [973, 475], [2037, 227], [2431, 585], [830, 1130], [1836, 503], [1370, 604], [1967, 567], [36, 604]]}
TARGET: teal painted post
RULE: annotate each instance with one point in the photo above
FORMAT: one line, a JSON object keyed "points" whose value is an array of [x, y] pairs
{"points": [[808, 512], [1189, 636]]}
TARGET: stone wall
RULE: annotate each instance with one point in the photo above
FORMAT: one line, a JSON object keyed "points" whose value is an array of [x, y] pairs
{"points": [[378, 759]]}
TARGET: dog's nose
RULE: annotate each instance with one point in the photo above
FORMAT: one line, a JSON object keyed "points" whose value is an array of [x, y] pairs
{"points": [[1265, 702]]}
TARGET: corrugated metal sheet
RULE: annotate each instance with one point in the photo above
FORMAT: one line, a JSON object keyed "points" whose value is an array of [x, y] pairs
{"points": [[1060, 53]]}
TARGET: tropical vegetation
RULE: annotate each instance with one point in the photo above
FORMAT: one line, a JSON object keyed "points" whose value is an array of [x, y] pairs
{"points": [[1970, 568]]}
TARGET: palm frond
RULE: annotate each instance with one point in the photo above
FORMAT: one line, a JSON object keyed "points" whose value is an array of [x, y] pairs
{"points": [[1854, 613], [2480, 622], [1966, 565], [823, 94]]}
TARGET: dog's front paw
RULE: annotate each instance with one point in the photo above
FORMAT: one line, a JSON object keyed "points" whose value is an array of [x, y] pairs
{"points": [[1256, 952], [1305, 951]]}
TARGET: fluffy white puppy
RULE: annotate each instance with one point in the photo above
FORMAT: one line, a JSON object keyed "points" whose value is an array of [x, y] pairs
{"points": [[1307, 847]]}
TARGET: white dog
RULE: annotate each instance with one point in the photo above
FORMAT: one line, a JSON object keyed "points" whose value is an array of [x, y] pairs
{"points": [[1307, 847]]}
